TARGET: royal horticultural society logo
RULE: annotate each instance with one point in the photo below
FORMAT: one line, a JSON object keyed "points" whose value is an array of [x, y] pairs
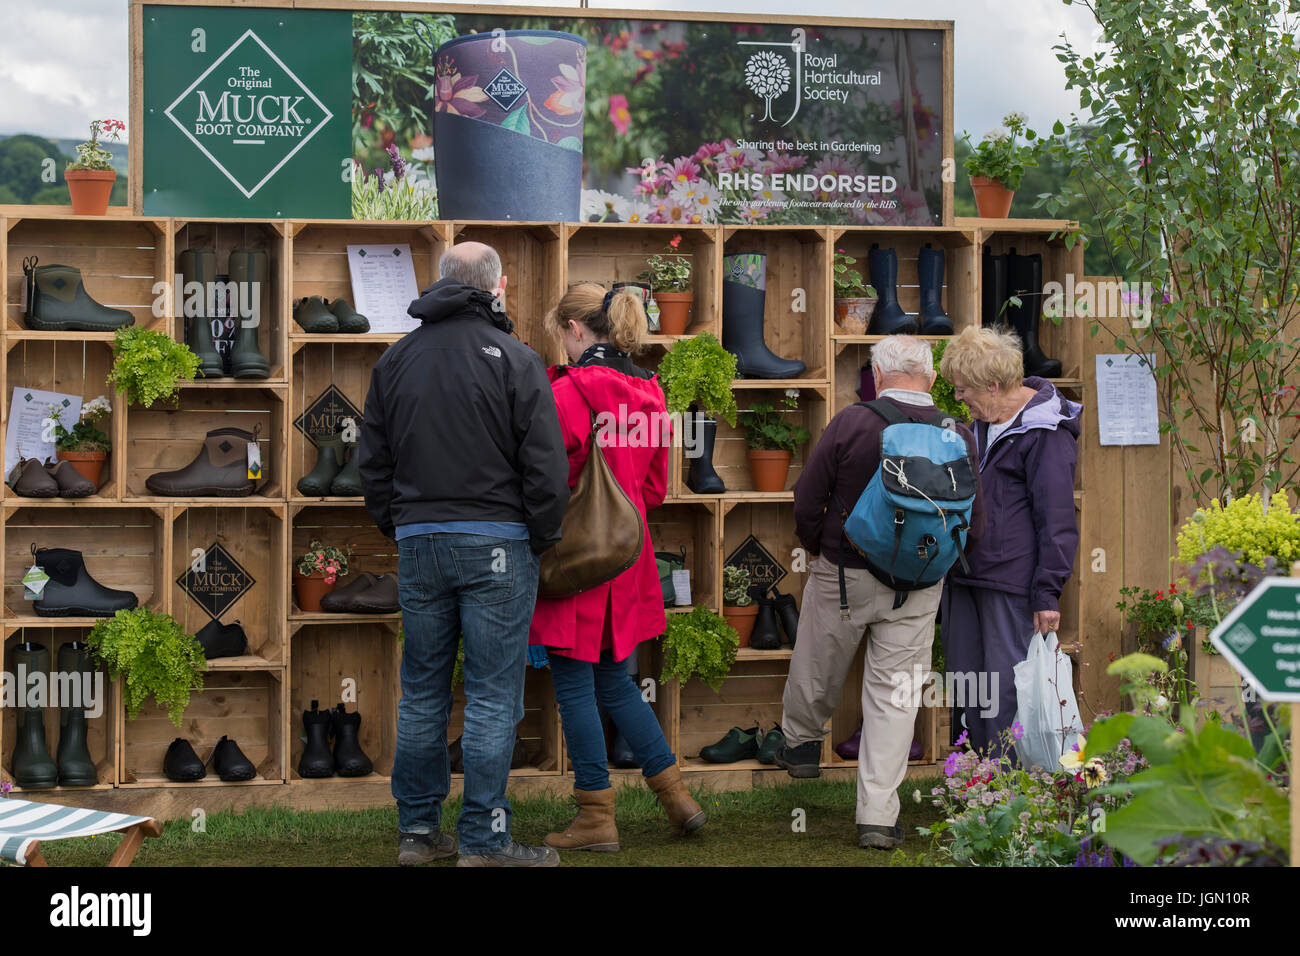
{"points": [[248, 113], [815, 76]]}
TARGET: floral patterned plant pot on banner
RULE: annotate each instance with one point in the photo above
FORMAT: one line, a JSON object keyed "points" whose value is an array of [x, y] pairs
{"points": [[507, 125]]}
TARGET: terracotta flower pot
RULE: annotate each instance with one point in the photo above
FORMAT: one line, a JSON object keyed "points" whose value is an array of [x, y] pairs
{"points": [[769, 469], [742, 619], [308, 589], [88, 464], [853, 314], [90, 189], [992, 199], [674, 310]]}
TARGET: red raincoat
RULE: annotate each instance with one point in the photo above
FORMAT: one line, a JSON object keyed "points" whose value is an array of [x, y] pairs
{"points": [[630, 607]]}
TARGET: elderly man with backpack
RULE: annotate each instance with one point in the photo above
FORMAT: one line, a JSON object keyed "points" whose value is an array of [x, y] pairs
{"points": [[884, 507]]}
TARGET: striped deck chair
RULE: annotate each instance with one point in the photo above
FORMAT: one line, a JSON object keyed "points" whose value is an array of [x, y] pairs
{"points": [[24, 825]]}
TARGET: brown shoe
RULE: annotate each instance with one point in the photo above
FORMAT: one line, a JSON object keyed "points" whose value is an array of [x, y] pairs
{"points": [[684, 813], [367, 594], [30, 480], [593, 828], [72, 483], [219, 470]]}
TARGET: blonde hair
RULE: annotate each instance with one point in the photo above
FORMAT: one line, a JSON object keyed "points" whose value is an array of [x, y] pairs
{"points": [[983, 357], [623, 325]]}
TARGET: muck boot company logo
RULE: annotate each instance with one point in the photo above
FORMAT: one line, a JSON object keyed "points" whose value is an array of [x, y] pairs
{"points": [[326, 414], [248, 113], [505, 90], [216, 581], [765, 571]]}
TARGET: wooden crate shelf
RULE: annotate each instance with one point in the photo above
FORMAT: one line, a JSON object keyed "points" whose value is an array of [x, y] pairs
{"points": [[750, 695], [347, 527], [330, 385], [693, 526], [539, 729]]}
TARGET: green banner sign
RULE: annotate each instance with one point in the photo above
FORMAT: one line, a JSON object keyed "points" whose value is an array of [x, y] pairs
{"points": [[1261, 638], [247, 112]]}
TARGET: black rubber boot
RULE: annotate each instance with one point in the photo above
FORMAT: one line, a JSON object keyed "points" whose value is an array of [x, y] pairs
{"points": [[222, 640], [314, 316], [72, 592], [230, 763], [993, 290], [350, 320], [888, 318], [181, 764], [246, 358], [76, 768], [347, 483], [316, 758], [700, 476], [349, 759], [31, 765], [743, 299], [765, 636], [929, 276], [329, 462], [1025, 275], [200, 265], [57, 301], [788, 614]]}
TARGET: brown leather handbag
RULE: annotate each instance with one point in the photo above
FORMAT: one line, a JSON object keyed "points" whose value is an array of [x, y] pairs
{"points": [[601, 535]]}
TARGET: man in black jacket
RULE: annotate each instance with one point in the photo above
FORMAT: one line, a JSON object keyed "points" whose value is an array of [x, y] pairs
{"points": [[463, 463]]}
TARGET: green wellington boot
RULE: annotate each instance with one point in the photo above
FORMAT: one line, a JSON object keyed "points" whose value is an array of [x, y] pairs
{"points": [[329, 462], [314, 315], [199, 265], [347, 483], [350, 320], [31, 764], [76, 768], [738, 744], [57, 301], [246, 359]]}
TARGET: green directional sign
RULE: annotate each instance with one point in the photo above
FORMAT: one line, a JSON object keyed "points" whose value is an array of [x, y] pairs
{"points": [[1261, 638]]}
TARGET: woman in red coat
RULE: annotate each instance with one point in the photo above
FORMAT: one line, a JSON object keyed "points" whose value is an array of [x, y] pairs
{"points": [[590, 636]]}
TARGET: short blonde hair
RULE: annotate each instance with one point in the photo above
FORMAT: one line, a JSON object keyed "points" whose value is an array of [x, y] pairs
{"points": [[983, 357]]}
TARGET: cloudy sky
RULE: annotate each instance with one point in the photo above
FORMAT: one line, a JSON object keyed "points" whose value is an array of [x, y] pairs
{"points": [[71, 63]]}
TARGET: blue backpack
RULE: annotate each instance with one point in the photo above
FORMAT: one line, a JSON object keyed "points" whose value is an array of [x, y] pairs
{"points": [[910, 523]]}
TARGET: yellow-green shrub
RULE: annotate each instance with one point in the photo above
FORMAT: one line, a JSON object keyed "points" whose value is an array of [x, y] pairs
{"points": [[1243, 526]]}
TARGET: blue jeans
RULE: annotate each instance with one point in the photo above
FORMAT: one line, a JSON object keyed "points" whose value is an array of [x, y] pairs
{"points": [[578, 687], [480, 589]]}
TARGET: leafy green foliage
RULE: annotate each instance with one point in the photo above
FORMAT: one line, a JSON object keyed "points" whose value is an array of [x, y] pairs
{"points": [[942, 392], [90, 155], [848, 281], [147, 365], [700, 645], [766, 430], [156, 655], [997, 156], [699, 371], [326, 559], [668, 272]]}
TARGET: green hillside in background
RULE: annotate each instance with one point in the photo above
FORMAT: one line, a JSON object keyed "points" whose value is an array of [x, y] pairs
{"points": [[25, 176]]}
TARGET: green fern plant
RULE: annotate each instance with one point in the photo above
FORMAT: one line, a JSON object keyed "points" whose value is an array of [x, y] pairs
{"points": [[944, 398], [148, 364], [699, 371], [156, 655], [699, 645]]}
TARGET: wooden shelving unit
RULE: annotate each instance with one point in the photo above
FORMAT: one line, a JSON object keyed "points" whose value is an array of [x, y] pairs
{"points": [[136, 540]]}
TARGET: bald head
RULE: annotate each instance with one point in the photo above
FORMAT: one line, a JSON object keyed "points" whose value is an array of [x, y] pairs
{"points": [[472, 263]]}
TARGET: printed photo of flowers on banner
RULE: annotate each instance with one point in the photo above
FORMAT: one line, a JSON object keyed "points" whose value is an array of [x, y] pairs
{"points": [[677, 122]]}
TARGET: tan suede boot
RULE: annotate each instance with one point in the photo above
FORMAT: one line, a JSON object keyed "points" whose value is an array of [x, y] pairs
{"points": [[683, 812], [593, 828]]}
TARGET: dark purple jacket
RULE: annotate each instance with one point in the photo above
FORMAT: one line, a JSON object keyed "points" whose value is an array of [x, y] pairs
{"points": [[1028, 482], [839, 469]]}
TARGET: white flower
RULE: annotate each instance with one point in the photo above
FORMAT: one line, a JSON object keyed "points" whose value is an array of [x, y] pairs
{"points": [[700, 196], [916, 796], [96, 406], [792, 393], [598, 203], [636, 211], [1162, 702], [996, 135], [1015, 119], [424, 154]]}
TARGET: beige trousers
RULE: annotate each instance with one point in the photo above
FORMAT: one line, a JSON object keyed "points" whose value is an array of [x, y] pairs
{"points": [[898, 644]]}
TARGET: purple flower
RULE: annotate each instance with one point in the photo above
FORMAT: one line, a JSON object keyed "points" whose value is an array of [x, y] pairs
{"points": [[399, 164], [950, 765], [1017, 732], [965, 736]]}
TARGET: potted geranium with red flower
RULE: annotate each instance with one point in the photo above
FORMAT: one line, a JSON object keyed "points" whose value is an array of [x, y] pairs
{"points": [[315, 573], [669, 275], [90, 179]]}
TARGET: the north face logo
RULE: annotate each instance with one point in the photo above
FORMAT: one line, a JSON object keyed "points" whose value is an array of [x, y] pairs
{"points": [[491, 350], [248, 113], [505, 89]]}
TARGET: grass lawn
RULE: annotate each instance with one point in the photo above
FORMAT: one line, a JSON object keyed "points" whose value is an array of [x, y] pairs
{"points": [[746, 828]]}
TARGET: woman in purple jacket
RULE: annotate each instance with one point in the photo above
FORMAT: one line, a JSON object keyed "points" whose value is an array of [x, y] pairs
{"points": [[1027, 435]]}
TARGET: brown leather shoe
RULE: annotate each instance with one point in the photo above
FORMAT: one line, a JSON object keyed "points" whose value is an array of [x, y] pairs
{"points": [[366, 594], [593, 828], [30, 480], [684, 813], [219, 470], [72, 483]]}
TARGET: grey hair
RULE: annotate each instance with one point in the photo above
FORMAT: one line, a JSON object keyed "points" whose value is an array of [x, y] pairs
{"points": [[473, 264], [902, 355]]}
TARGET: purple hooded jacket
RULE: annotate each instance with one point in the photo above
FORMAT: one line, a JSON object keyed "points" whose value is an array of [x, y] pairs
{"points": [[1027, 478]]}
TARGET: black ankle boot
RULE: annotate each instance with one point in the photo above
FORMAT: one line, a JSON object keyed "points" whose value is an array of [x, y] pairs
{"points": [[993, 290], [71, 591], [316, 758], [349, 759], [765, 636], [701, 477], [1025, 276], [888, 317], [788, 614]]}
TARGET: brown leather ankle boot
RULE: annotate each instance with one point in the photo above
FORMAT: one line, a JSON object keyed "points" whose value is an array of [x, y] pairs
{"points": [[220, 468], [683, 812], [593, 828]]}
